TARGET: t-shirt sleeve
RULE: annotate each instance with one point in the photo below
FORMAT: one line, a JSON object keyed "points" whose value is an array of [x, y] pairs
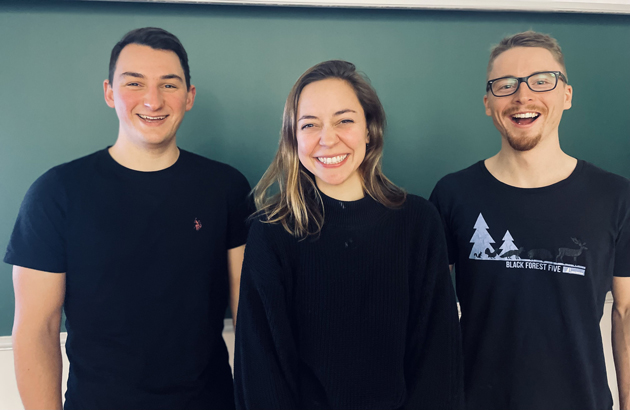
{"points": [[440, 198], [240, 207], [622, 245], [38, 240]]}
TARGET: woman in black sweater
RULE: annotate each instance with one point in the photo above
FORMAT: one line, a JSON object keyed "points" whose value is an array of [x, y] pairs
{"points": [[346, 300]]}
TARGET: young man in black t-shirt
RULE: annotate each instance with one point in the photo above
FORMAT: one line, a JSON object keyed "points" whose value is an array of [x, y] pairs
{"points": [[537, 239], [141, 244]]}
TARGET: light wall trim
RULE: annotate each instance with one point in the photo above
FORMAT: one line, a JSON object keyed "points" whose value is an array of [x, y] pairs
{"points": [[548, 6]]}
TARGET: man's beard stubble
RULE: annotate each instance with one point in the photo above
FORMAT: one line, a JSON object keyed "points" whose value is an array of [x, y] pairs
{"points": [[524, 143]]}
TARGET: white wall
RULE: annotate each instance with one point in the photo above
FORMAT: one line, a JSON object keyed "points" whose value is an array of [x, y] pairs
{"points": [[10, 400]]}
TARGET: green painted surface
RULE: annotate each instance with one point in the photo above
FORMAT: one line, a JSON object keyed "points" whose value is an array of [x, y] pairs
{"points": [[428, 67]]}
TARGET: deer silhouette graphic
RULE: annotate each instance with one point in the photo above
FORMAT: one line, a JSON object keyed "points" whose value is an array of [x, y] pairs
{"points": [[562, 252]]}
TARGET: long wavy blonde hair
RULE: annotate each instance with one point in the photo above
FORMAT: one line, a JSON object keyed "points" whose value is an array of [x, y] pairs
{"points": [[295, 202]]}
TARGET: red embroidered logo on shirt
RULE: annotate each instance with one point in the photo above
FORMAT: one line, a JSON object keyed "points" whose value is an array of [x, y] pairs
{"points": [[197, 224]]}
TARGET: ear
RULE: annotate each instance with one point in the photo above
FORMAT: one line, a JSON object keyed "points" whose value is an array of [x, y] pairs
{"points": [[190, 97], [568, 96], [485, 103], [109, 94], [367, 136]]}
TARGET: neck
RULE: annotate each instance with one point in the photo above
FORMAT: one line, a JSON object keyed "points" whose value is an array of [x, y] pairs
{"points": [[350, 190], [543, 165], [143, 158]]}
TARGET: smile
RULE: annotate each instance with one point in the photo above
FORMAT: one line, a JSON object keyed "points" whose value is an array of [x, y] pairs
{"points": [[149, 118], [525, 118], [332, 160]]}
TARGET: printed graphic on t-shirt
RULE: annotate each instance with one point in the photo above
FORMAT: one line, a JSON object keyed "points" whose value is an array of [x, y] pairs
{"points": [[516, 257]]}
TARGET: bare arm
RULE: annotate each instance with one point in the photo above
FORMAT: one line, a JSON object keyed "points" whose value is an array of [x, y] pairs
{"points": [[621, 337], [235, 263], [38, 300]]}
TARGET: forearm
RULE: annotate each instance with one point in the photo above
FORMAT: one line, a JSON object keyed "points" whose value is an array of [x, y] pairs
{"points": [[38, 367], [621, 353], [235, 264], [234, 308]]}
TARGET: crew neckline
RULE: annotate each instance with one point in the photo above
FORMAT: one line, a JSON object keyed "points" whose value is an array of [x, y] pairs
{"points": [[122, 170], [362, 211], [564, 182]]}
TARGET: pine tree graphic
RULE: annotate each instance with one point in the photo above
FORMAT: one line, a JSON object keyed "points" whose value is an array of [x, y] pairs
{"points": [[481, 240], [508, 244]]}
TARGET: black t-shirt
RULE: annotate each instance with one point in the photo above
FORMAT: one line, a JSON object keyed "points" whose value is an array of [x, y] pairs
{"points": [[533, 267], [145, 256]]}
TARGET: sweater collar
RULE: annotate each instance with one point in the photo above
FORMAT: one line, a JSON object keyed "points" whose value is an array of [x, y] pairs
{"points": [[360, 212]]}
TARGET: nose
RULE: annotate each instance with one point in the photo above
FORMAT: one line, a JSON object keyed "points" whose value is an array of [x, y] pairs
{"points": [[328, 137], [523, 95], [153, 99]]}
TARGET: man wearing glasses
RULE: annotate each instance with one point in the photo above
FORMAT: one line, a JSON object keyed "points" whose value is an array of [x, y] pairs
{"points": [[537, 239]]}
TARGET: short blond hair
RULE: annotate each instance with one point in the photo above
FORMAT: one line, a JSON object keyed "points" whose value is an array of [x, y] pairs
{"points": [[528, 39]]}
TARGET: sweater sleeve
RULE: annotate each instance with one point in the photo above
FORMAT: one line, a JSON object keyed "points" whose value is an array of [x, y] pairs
{"points": [[265, 360], [433, 362]]}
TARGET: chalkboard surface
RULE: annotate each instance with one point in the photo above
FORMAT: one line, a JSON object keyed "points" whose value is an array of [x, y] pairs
{"points": [[427, 66]]}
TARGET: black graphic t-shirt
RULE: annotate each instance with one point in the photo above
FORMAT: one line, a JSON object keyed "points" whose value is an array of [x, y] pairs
{"points": [[145, 256], [533, 267]]}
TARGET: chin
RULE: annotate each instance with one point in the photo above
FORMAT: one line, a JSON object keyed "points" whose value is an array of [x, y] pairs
{"points": [[332, 181], [523, 143]]}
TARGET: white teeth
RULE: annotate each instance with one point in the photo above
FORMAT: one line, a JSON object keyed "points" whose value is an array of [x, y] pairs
{"points": [[332, 160], [526, 115], [146, 117]]}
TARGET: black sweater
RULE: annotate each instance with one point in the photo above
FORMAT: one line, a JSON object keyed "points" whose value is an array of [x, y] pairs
{"points": [[361, 317]]}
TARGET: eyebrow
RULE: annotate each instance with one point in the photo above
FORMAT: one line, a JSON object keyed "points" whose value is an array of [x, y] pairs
{"points": [[172, 77], [312, 117], [534, 73], [307, 117], [344, 111], [164, 77]]}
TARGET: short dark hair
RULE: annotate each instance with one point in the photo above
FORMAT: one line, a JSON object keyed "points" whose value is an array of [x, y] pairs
{"points": [[156, 38]]}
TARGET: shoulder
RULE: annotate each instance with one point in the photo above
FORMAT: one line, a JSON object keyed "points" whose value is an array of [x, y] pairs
{"points": [[421, 210], [57, 178], [461, 178], [450, 187], [261, 228], [604, 179], [269, 243], [215, 176], [69, 168], [201, 164]]}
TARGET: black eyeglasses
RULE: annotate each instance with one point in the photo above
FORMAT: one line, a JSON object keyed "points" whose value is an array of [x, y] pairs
{"points": [[537, 82]]}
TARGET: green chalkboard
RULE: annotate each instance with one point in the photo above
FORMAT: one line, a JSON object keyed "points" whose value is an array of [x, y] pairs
{"points": [[428, 67]]}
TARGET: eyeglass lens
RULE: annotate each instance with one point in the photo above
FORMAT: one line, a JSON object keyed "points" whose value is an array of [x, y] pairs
{"points": [[536, 82]]}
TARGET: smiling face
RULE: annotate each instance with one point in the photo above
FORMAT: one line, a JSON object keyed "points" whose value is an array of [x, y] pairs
{"points": [[331, 135], [526, 118], [149, 94]]}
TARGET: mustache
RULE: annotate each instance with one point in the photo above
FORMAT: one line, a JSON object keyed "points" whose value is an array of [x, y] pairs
{"points": [[513, 110]]}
